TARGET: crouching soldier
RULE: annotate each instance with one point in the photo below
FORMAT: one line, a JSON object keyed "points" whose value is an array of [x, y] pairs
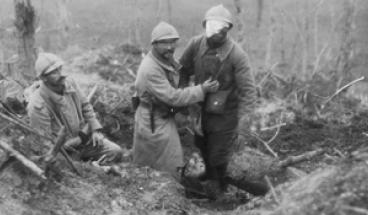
{"points": [[59, 102]]}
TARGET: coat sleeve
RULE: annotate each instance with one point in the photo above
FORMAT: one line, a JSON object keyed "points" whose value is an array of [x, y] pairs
{"points": [[244, 82], [87, 109], [187, 61], [160, 88]]}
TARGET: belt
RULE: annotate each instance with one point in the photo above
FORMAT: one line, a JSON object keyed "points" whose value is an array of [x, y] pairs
{"points": [[164, 112]]}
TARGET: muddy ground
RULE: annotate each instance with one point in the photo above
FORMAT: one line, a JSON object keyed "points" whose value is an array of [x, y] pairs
{"points": [[334, 182]]}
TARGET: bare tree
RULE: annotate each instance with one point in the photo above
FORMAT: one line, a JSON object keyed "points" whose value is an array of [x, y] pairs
{"points": [[2, 59], [164, 10], [239, 21], [25, 30], [272, 30], [63, 22], [260, 6], [135, 23], [343, 63]]}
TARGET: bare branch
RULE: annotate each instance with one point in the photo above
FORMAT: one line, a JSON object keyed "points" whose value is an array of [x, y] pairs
{"points": [[340, 90]]}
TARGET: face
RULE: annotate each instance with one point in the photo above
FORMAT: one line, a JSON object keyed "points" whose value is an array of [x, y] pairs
{"points": [[166, 48], [220, 36], [54, 78]]}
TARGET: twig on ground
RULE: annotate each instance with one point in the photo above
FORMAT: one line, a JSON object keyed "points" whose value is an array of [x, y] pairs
{"points": [[274, 136], [131, 72], [25, 161], [272, 189], [272, 127], [30, 129], [340, 90], [355, 209], [265, 144], [339, 153], [92, 92], [296, 159]]}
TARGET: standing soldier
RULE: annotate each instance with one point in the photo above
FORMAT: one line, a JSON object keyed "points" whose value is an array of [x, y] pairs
{"points": [[215, 55], [156, 139]]}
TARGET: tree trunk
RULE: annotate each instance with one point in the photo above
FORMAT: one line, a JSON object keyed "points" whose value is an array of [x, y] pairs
{"points": [[259, 13], [343, 64], [63, 23], [272, 29], [164, 11], [2, 61], [25, 26], [239, 22]]}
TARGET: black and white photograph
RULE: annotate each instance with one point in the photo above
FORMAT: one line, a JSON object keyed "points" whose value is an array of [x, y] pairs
{"points": [[183, 107]]}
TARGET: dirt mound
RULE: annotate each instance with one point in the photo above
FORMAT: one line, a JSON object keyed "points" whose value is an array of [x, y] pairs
{"points": [[341, 189]]}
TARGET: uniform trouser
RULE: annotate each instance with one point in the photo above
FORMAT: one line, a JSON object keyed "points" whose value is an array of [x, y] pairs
{"points": [[216, 149], [111, 152]]}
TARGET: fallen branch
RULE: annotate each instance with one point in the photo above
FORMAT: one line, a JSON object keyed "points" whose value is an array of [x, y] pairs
{"points": [[339, 153], [92, 93], [340, 90], [355, 209], [26, 162], [265, 144], [296, 159], [272, 189], [131, 73], [28, 128], [25, 126], [273, 127]]}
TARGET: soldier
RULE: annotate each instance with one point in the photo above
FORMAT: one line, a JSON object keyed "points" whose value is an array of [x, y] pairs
{"points": [[215, 55], [59, 102], [156, 139]]}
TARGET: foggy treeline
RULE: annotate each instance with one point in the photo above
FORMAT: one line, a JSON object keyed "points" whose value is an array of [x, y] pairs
{"points": [[301, 37]]}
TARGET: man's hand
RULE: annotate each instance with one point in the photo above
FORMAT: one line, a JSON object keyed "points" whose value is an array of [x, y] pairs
{"points": [[70, 144], [210, 86], [97, 138]]}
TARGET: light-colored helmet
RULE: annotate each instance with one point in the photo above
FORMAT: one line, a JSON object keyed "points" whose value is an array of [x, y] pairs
{"points": [[47, 62], [164, 31], [219, 13]]}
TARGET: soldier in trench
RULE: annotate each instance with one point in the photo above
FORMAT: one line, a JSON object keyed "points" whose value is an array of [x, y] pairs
{"points": [[214, 55], [58, 101], [156, 140]]}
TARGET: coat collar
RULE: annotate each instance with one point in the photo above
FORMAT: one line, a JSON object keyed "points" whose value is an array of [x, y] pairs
{"points": [[222, 52], [172, 68]]}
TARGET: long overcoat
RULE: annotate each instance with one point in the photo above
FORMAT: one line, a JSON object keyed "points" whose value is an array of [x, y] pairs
{"points": [[157, 82]]}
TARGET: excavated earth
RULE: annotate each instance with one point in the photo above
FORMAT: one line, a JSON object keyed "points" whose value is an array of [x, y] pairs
{"points": [[334, 182]]}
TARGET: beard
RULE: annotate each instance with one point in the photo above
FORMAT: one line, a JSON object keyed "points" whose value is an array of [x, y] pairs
{"points": [[168, 55]]}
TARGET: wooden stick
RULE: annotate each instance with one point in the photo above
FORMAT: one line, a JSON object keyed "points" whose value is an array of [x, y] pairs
{"points": [[272, 127], [265, 144], [272, 189], [296, 159], [339, 152], [355, 209], [27, 163], [340, 90], [92, 93], [25, 126]]}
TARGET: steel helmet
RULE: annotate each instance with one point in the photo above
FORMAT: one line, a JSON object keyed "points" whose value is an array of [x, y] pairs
{"points": [[47, 62], [219, 13], [164, 31]]}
